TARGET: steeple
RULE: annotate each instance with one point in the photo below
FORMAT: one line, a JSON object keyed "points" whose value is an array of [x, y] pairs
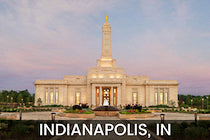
{"points": [[106, 56], [106, 41]]}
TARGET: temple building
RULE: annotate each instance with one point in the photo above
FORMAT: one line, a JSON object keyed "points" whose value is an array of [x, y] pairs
{"points": [[106, 84]]}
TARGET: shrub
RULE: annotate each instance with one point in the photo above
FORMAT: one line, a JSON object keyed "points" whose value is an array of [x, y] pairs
{"points": [[55, 105], [85, 106], [133, 111], [196, 132], [184, 105], [20, 129], [77, 107], [127, 107], [177, 129], [138, 107], [159, 106]]}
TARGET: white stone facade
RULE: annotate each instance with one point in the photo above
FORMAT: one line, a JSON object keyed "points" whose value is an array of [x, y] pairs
{"points": [[106, 81]]}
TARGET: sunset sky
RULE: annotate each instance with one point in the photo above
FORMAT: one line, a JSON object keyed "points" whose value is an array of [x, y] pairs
{"points": [[166, 40]]}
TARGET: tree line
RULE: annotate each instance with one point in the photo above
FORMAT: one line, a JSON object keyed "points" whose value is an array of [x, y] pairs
{"points": [[192, 100], [12, 96]]}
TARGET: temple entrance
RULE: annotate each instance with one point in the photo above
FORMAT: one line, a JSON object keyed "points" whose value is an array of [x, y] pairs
{"points": [[106, 96]]}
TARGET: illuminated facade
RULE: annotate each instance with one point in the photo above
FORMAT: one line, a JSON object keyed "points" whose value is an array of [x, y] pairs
{"points": [[106, 83]]}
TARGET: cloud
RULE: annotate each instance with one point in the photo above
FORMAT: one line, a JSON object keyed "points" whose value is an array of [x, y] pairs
{"points": [[50, 39]]}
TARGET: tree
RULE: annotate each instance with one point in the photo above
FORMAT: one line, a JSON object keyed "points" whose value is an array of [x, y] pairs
{"points": [[39, 101], [188, 100], [33, 98], [19, 98], [1, 97]]}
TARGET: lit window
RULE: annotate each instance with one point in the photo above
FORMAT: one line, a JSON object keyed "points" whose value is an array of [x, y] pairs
{"points": [[161, 98], [51, 97], [77, 97], [115, 96], [156, 100], [46, 97], [56, 97], [111, 76], [134, 98], [166, 98], [97, 96]]}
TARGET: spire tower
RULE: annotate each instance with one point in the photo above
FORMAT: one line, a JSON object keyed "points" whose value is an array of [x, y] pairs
{"points": [[106, 56]]}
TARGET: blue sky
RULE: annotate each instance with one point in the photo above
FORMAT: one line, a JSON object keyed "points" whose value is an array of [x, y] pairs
{"points": [[168, 40]]}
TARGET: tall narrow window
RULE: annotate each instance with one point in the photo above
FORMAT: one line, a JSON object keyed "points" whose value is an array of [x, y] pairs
{"points": [[56, 97], [166, 98], [115, 96], [156, 98], [77, 97], [51, 97], [134, 98], [97, 96], [161, 98], [46, 97]]}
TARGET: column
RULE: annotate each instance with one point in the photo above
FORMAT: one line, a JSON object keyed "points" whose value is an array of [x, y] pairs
{"points": [[147, 95], [119, 95], [54, 95], [93, 96], [158, 96], [89, 95], [100, 96], [163, 96], [111, 97], [123, 94]]}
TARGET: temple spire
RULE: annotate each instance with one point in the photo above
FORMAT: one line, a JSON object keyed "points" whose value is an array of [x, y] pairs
{"points": [[106, 56], [106, 40]]}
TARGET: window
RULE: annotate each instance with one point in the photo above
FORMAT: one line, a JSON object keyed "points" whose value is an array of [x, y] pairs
{"points": [[166, 98], [134, 98], [161, 98], [51, 97], [46, 97], [156, 98], [115, 96], [97, 96], [77, 97], [56, 97]]}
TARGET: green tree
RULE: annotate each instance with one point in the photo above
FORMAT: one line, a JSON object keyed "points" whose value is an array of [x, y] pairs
{"points": [[39, 101], [19, 98], [33, 98], [188, 100], [1, 97]]}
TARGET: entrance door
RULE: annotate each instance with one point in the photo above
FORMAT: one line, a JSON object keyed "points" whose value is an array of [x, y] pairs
{"points": [[106, 95]]}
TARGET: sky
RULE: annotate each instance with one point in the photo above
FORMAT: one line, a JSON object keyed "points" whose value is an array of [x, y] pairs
{"points": [[166, 40]]}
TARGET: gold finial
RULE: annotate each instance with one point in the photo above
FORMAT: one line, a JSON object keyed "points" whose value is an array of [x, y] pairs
{"points": [[106, 17]]}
